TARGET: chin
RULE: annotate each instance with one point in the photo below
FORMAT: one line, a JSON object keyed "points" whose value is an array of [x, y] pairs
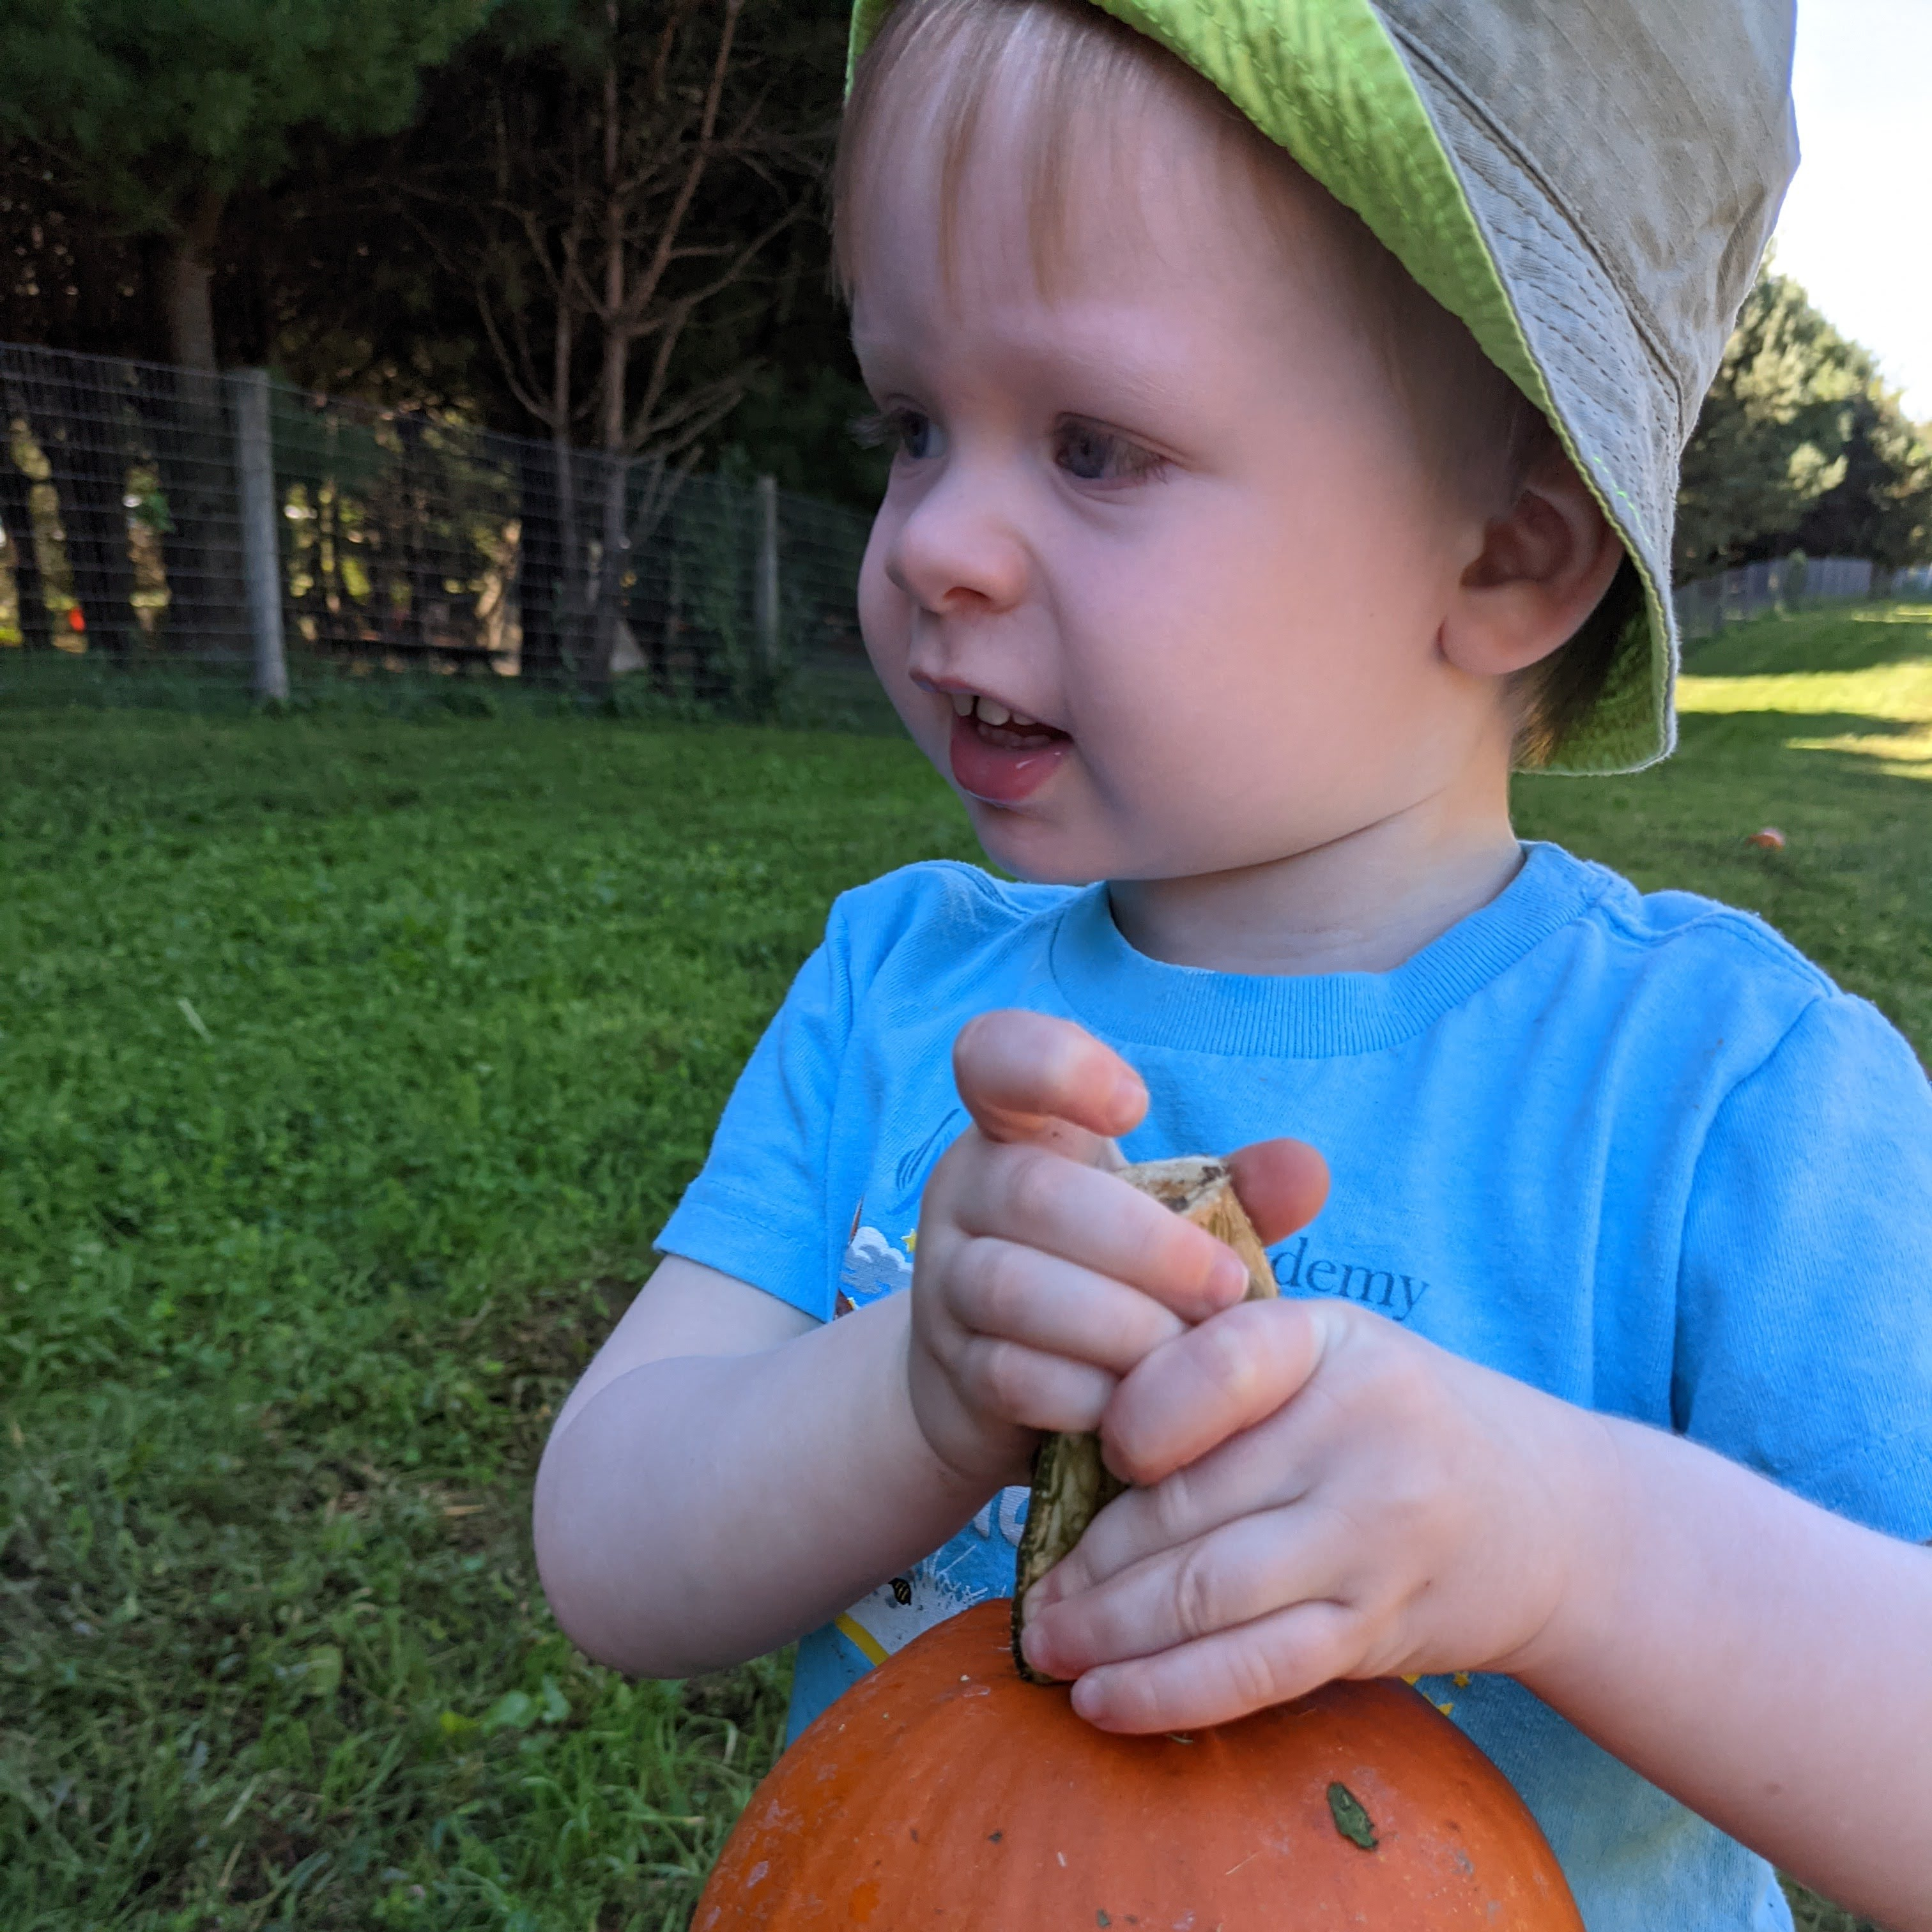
{"points": [[1040, 853]]}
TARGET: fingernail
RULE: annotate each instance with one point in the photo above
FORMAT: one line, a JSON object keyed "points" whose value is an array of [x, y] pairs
{"points": [[1130, 1094], [1227, 1279]]}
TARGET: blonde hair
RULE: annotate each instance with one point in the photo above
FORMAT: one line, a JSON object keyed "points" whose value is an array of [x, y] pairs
{"points": [[1077, 72]]}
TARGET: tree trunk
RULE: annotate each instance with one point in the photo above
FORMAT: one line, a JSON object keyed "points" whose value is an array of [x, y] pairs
{"points": [[187, 278], [84, 438], [208, 612], [612, 544], [16, 515], [613, 551], [542, 475]]}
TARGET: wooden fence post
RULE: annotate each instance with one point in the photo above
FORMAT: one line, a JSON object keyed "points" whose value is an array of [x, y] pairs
{"points": [[261, 532]]}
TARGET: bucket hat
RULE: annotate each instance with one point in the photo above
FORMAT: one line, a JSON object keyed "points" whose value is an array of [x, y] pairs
{"points": [[1588, 184]]}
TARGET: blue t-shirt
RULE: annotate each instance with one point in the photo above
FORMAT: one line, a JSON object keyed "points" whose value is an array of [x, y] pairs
{"points": [[1635, 1151]]}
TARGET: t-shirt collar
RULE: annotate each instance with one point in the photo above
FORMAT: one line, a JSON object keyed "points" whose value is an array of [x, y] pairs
{"points": [[1127, 996]]}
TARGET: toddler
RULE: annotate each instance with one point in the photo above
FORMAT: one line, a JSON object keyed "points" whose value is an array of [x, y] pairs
{"points": [[1285, 397]]}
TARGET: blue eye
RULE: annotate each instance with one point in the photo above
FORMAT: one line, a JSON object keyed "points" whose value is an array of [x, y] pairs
{"points": [[907, 433], [1091, 453]]}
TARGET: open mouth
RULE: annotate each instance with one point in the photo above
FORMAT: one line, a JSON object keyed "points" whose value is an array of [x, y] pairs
{"points": [[1011, 730], [999, 756]]}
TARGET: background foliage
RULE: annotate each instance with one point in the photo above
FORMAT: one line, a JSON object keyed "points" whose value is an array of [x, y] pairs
{"points": [[359, 179], [373, 181], [1801, 446], [147, 118]]}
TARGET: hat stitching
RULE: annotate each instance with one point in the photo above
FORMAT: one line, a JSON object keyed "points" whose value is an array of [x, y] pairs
{"points": [[1633, 298]]}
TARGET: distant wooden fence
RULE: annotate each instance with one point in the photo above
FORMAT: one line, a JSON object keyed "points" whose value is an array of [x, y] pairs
{"points": [[1779, 583]]}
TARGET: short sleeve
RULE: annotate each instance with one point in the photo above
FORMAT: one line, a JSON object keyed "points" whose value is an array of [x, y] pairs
{"points": [[1805, 1326], [757, 1209]]}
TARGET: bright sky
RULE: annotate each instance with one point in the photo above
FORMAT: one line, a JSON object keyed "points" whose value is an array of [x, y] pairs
{"points": [[1853, 230]]}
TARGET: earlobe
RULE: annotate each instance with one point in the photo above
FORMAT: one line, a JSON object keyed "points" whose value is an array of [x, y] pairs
{"points": [[1544, 564]]}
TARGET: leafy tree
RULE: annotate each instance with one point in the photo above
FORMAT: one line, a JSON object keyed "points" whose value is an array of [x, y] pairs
{"points": [[1771, 437], [1882, 507], [1800, 445], [614, 183], [152, 115]]}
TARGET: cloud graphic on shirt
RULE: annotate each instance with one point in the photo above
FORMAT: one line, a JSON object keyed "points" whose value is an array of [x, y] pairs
{"points": [[874, 1266]]}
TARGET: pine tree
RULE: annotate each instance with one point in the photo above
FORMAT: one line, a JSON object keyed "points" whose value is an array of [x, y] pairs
{"points": [[1800, 445], [152, 114]]}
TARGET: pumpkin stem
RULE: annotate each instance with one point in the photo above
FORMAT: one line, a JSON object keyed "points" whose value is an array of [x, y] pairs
{"points": [[1071, 1483]]}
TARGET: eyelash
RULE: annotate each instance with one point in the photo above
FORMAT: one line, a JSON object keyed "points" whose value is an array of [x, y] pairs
{"points": [[879, 428]]}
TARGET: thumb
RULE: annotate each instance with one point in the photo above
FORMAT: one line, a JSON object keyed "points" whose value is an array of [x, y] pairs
{"points": [[1281, 1183], [1025, 1076]]}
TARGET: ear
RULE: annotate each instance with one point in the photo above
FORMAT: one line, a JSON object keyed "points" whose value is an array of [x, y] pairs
{"points": [[1543, 565]]}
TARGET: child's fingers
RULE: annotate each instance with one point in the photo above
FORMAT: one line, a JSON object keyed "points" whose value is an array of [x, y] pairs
{"points": [[1281, 1183], [1217, 1679], [1210, 1383], [1030, 1389], [1024, 1076], [1031, 1195], [1007, 1291], [1246, 1568]]}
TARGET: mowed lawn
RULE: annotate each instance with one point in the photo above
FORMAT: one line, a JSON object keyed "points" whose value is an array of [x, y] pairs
{"points": [[347, 1065]]}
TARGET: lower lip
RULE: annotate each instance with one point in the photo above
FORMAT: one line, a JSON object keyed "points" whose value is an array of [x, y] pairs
{"points": [[998, 774]]}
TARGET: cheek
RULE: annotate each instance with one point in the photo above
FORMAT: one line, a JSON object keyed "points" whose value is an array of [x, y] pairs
{"points": [[885, 623], [885, 612], [1189, 633], [1243, 673]]}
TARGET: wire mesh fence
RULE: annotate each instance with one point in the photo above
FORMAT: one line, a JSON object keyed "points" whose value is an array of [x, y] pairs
{"points": [[156, 515], [150, 514]]}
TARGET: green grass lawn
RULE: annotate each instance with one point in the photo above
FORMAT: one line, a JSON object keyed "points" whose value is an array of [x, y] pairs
{"points": [[348, 1063]]}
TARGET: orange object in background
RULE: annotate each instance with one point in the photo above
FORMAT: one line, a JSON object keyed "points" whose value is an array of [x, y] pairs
{"points": [[1769, 840], [76, 621], [943, 1791]]}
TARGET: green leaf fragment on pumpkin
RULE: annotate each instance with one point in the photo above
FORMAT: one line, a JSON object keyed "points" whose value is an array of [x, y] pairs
{"points": [[1351, 1820]]}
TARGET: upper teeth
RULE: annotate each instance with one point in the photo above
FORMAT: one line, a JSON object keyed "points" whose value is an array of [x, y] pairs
{"points": [[990, 710]]}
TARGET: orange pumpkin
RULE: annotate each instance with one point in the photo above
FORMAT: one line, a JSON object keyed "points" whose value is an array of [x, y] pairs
{"points": [[943, 1791]]}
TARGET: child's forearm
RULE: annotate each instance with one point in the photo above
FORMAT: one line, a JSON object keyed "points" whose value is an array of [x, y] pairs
{"points": [[702, 1510], [1768, 1663]]}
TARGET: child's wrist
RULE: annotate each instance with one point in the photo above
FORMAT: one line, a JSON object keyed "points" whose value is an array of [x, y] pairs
{"points": [[1591, 1488]]}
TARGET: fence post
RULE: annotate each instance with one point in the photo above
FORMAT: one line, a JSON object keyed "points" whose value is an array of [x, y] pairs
{"points": [[261, 535], [765, 588]]}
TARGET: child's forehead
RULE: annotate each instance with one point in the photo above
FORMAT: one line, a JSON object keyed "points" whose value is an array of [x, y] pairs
{"points": [[1091, 171]]}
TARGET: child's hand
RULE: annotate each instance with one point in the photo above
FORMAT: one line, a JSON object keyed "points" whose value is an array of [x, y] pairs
{"points": [[1396, 1510], [1041, 1279]]}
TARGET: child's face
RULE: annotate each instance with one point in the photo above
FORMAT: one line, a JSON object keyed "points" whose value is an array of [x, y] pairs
{"points": [[1171, 507]]}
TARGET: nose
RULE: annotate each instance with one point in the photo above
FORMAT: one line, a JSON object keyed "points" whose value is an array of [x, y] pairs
{"points": [[956, 550]]}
